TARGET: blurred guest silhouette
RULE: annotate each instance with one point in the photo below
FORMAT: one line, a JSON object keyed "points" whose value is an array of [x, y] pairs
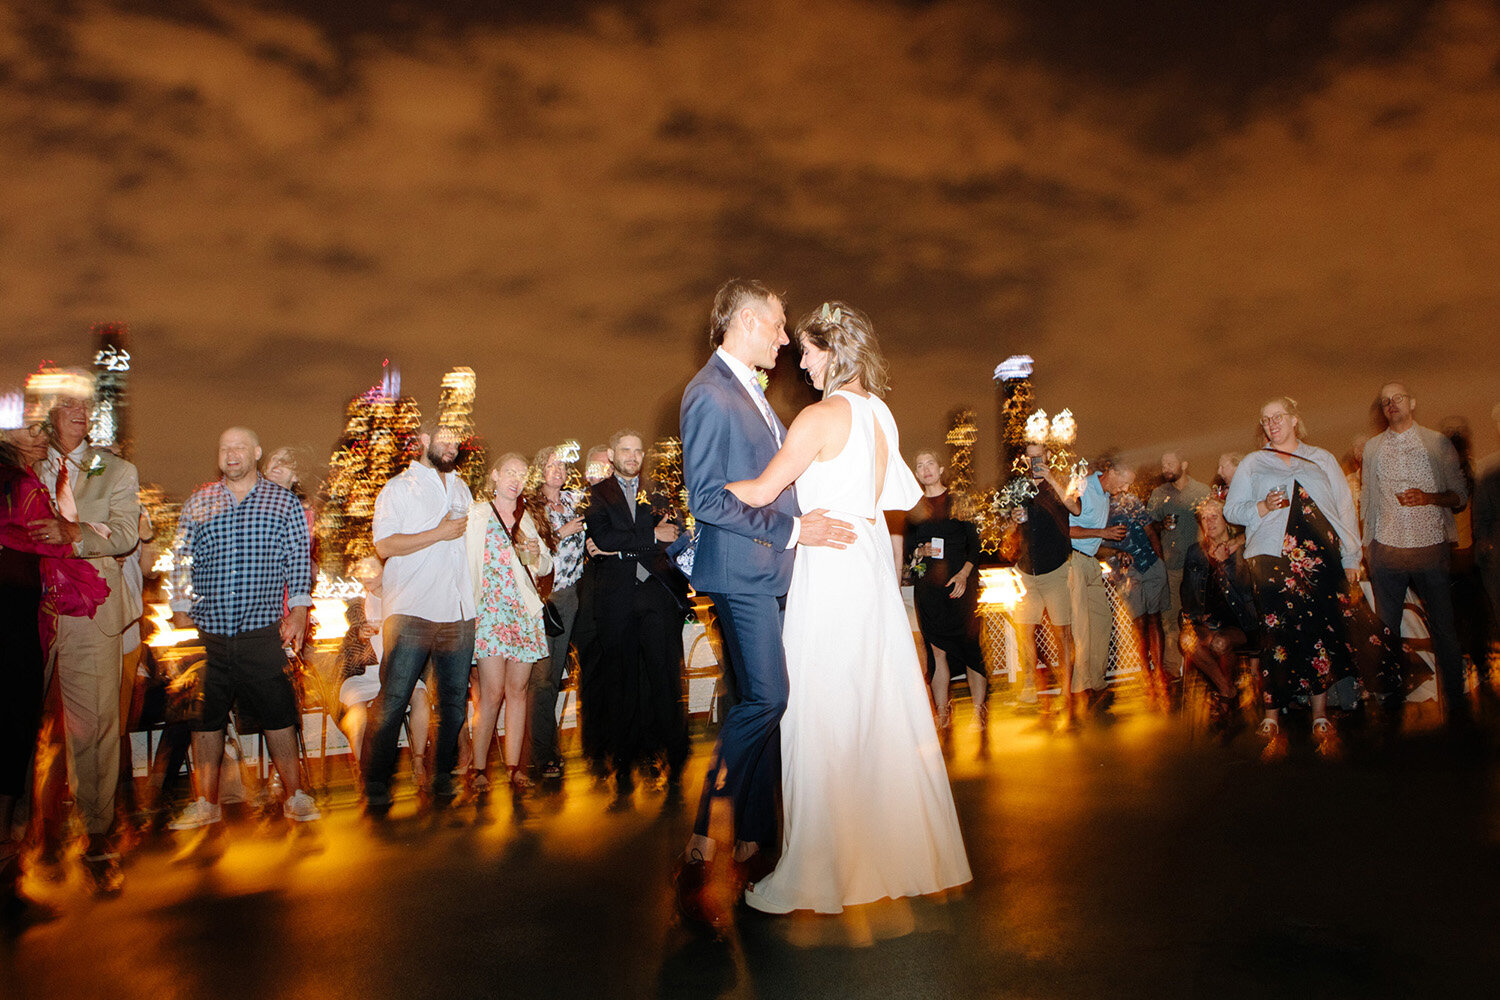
{"points": [[26, 566], [943, 549], [564, 514], [1486, 526]]}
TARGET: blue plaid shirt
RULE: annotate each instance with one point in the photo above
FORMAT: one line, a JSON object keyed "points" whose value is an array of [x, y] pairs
{"points": [[236, 566]]}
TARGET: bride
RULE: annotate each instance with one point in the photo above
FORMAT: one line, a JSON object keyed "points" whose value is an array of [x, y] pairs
{"points": [[868, 810]]}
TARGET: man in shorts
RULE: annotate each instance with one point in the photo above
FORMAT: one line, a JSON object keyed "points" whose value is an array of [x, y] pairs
{"points": [[242, 574], [1043, 561]]}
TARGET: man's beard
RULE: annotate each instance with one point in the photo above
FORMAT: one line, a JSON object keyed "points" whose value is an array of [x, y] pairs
{"points": [[1170, 477], [444, 465]]}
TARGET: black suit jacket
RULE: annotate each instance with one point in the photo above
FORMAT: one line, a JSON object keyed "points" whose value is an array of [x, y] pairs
{"points": [[612, 528]]}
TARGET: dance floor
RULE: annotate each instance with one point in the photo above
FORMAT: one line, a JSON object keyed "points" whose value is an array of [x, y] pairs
{"points": [[1136, 859]]}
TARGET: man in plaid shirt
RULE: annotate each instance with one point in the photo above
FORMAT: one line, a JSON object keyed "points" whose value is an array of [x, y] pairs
{"points": [[242, 573]]}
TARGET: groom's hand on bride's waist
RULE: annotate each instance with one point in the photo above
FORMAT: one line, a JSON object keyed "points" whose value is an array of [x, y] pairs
{"points": [[820, 529]]}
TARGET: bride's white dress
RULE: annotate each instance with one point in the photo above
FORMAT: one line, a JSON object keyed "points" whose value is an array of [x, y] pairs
{"points": [[868, 810]]}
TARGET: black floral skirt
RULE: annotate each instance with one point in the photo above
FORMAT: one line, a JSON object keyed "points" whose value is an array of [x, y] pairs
{"points": [[1304, 600]]}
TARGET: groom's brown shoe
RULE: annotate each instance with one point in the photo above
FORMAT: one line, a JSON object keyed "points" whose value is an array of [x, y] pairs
{"points": [[754, 868], [699, 909]]}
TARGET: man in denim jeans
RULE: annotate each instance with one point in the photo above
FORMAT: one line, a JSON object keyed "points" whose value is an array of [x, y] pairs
{"points": [[420, 517], [1411, 488]]}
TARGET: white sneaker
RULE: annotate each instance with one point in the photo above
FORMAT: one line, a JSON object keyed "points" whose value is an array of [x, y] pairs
{"points": [[199, 814], [300, 807]]}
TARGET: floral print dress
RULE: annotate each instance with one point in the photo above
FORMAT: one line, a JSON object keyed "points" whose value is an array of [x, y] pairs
{"points": [[1306, 607], [503, 628]]}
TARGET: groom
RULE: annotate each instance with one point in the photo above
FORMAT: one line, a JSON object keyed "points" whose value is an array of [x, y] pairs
{"points": [[744, 565]]}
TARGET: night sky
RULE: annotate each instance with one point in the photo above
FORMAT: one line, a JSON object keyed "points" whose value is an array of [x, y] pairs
{"points": [[1178, 207]]}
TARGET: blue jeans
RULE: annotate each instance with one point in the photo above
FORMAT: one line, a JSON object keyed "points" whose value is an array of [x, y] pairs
{"points": [[409, 643]]}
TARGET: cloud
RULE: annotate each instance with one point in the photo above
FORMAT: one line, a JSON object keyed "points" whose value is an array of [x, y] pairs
{"points": [[1177, 207]]}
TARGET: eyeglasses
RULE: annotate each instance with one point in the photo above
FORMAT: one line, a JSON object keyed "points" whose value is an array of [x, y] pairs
{"points": [[1274, 418], [1399, 397]]}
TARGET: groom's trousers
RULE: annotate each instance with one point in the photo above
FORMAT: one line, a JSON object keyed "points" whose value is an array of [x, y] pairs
{"points": [[749, 747]]}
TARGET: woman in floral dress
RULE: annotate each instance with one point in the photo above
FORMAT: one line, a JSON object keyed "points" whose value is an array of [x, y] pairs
{"points": [[506, 558], [1302, 546]]}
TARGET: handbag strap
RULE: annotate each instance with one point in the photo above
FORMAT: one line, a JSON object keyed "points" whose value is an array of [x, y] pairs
{"points": [[510, 534]]}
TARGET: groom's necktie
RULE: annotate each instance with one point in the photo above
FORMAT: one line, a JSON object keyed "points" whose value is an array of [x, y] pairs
{"points": [[759, 396]]}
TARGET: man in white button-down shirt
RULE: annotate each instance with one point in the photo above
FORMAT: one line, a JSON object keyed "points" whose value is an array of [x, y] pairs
{"points": [[428, 601], [1411, 488]]}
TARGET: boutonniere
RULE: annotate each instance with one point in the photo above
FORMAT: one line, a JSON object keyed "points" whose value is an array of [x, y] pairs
{"points": [[762, 379], [96, 467]]}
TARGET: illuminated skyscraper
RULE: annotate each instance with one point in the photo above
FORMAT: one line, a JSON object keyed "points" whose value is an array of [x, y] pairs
{"points": [[110, 425], [456, 401], [963, 434], [1013, 375], [456, 412]]}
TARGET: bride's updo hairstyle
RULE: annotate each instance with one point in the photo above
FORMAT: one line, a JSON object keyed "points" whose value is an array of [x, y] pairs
{"points": [[853, 352]]}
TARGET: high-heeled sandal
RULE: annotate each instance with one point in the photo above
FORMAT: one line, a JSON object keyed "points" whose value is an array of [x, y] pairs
{"points": [[1326, 738], [945, 714], [1275, 748]]}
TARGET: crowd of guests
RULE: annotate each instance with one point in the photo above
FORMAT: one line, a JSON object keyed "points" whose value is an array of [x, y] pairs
{"points": [[476, 608], [1290, 570]]}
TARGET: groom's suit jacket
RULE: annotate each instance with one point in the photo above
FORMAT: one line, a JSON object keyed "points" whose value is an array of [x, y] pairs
{"points": [[740, 549]]}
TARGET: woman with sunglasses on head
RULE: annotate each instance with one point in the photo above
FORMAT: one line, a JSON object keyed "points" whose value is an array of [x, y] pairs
{"points": [[1302, 546]]}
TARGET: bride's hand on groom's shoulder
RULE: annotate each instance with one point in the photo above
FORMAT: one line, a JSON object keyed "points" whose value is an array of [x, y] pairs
{"points": [[820, 529]]}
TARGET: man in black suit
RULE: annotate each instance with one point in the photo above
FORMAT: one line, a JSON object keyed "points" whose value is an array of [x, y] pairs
{"points": [[639, 598]]}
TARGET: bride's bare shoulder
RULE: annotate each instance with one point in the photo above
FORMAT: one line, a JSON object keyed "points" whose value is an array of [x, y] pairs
{"points": [[826, 414], [832, 408]]}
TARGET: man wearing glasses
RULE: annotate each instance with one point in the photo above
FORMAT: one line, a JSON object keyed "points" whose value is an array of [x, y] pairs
{"points": [[1412, 488], [96, 512]]}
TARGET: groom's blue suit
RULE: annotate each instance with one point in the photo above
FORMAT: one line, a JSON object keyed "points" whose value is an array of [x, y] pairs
{"points": [[744, 565]]}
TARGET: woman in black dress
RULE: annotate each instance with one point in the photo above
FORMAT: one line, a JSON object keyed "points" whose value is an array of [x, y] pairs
{"points": [[941, 551], [1219, 619]]}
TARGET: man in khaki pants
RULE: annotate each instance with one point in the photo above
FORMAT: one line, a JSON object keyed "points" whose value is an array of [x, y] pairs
{"points": [[1092, 620], [97, 512]]}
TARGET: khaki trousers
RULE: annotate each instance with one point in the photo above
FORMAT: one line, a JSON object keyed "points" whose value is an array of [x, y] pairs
{"points": [[1091, 623], [1171, 625], [88, 674]]}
